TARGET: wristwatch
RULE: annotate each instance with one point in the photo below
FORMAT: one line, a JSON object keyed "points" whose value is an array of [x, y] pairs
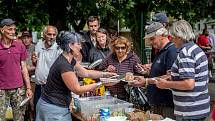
{"points": [[98, 84]]}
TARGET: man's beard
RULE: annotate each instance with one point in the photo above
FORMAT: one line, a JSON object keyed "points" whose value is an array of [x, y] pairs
{"points": [[50, 43]]}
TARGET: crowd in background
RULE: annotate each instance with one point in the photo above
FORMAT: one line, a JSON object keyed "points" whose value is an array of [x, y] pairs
{"points": [[176, 80]]}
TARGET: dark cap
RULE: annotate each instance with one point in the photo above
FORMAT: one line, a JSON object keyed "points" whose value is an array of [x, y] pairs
{"points": [[26, 33], [152, 29], [160, 17], [7, 22]]}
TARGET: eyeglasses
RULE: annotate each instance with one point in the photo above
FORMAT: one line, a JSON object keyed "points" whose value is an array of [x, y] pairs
{"points": [[118, 48]]}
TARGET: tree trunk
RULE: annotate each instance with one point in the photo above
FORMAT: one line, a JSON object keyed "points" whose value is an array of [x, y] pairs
{"points": [[136, 30], [58, 12]]}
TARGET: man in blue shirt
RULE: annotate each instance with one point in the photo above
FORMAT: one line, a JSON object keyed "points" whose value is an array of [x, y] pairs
{"points": [[160, 99]]}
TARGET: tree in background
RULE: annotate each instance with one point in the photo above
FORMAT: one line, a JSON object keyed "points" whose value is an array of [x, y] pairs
{"points": [[131, 13], [28, 13]]}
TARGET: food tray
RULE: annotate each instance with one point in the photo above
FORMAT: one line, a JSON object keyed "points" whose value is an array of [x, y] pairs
{"points": [[91, 105]]}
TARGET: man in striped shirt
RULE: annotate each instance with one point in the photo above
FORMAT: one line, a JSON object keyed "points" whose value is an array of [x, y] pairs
{"points": [[189, 83]]}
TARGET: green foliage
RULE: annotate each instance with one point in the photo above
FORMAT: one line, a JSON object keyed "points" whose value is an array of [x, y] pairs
{"points": [[79, 11], [36, 13], [30, 14]]}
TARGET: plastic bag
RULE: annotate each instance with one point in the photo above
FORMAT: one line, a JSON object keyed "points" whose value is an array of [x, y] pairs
{"points": [[9, 112], [138, 98]]}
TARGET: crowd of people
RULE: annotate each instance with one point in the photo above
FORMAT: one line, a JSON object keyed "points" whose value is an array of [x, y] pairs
{"points": [[176, 81]]}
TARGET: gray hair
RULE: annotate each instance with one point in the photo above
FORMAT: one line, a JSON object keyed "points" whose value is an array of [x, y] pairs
{"points": [[64, 38], [45, 30], [162, 31], [183, 30]]}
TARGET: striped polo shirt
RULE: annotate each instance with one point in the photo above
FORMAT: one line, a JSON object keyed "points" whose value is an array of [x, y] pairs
{"points": [[191, 63]]}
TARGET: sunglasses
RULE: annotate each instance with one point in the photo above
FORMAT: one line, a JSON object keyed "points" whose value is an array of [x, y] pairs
{"points": [[118, 48]]}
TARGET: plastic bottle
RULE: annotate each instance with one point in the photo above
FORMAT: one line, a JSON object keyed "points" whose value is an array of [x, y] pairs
{"points": [[104, 113], [107, 94], [75, 102], [99, 92]]}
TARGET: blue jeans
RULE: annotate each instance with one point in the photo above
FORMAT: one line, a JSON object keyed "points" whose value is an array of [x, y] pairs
{"points": [[37, 93], [182, 119], [50, 112]]}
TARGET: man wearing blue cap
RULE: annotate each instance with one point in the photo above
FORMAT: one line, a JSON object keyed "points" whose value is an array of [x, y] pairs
{"points": [[162, 18], [13, 71]]}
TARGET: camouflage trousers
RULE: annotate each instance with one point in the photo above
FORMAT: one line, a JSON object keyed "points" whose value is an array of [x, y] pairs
{"points": [[12, 97]]}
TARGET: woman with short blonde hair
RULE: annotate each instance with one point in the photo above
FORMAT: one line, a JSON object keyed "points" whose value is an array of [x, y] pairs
{"points": [[121, 61], [121, 40]]}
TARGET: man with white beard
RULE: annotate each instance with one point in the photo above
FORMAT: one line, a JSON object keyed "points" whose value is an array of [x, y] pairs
{"points": [[46, 52]]}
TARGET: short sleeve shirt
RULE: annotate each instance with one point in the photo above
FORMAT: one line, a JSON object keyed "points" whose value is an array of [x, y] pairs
{"points": [[203, 40], [10, 65], [46, 57], [55, 90], [162, 62], [191, 63]]}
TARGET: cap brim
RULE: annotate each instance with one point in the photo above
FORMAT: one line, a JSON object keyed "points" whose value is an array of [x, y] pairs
{"points": [[149, 35], [149, 22], [14, 22], [8, 24], [26, 36]]}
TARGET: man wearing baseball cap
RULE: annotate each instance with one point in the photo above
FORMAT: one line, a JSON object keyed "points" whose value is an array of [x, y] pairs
{"points": [[26, 38], [160, 99], [164, 20], [13, 71]]}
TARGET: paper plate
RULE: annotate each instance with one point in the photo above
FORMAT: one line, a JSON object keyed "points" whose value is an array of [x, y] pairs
{"points": [[94, 64], [109, 82], [128, 81]]}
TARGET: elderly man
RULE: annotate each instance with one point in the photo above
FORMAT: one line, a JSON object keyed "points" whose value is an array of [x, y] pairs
{"points": [[189, 82], [159, 99], [30, 46], [13, 71], [46, 52], [164, 20], [93, 23]]}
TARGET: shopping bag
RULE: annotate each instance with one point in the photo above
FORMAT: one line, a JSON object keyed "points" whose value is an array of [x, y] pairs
{"points": [[138, 97]]}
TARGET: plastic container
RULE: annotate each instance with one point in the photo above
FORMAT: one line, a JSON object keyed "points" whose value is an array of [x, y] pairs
{"points": [[91, 105]]}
